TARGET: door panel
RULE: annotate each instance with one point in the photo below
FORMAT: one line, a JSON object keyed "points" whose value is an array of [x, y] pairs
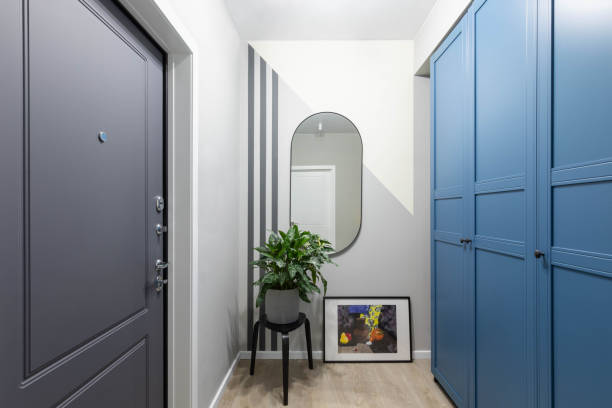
{"points": [[511, 226], [581, 211], [504, 201], [313, 200], [499, 52], [83, 247], [449, 91], [122, 383], [580, 194], [88, 226], [450, 310], [582, 85], [450, 345], [582, 321], [501, 309], [449, 215]]}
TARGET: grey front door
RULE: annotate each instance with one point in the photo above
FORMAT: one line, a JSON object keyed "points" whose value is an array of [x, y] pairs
{"points": [[81, 164]]}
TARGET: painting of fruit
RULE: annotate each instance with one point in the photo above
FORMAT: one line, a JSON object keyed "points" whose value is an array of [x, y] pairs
{"points": [[376, 335], [367, 329]]}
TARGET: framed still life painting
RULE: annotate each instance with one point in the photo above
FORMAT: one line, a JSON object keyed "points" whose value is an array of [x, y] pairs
{"points": [[367, 329]]}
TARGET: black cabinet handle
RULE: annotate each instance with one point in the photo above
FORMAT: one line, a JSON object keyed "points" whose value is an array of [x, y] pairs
{"points": [[465, 240], [538, 254]]}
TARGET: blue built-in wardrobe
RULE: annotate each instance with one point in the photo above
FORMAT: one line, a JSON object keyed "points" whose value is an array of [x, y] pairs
{"points": [[522, 205]]}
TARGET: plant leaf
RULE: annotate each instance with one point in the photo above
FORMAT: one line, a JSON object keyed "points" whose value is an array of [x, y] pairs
{"points": [[292, 260]]}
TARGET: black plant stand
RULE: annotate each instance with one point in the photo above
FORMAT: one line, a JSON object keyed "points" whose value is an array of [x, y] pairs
{"points": [[284, 329]]}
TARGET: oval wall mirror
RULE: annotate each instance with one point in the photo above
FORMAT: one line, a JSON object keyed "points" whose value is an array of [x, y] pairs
{"points": [[326, 172]]}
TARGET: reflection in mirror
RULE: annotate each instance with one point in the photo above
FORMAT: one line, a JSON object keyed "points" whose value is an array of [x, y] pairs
{"points": [[326, 160]]}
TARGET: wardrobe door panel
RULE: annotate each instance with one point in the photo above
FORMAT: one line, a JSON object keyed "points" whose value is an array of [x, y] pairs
{"points": [[448, 140], [581, 203], [582, 217], [582, 81], [450, 313], [449, 215], [450, 320], [510, 226], [499, 34], [503, 201], [582, 331], [500, 325]]}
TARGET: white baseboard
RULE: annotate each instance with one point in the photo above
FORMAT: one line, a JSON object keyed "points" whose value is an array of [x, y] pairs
{"points": [[217, 398], [421, 354], [316, 354]]}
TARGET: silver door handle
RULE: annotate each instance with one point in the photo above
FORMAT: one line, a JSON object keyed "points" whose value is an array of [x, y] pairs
{"points": [[161, 265]]}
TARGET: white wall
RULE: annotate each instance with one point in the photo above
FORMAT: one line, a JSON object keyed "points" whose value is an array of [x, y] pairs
{"points": [[216, 103], [371, 83], [440, 20]]}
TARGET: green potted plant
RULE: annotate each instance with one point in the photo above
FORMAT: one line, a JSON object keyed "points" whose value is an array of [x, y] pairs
{"points": [[291, 262]]}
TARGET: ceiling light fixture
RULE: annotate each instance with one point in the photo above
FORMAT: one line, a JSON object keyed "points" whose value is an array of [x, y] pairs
{"points": [[320, 129]]}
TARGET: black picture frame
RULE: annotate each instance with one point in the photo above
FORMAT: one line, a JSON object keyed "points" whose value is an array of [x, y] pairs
{"points": [[325, 298]]}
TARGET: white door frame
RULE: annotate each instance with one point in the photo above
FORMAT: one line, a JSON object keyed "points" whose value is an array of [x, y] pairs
{"points": [[159, 20], [320, 167]]}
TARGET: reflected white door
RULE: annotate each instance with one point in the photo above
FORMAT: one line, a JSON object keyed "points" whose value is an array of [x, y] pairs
{"points": [[313, 200]]}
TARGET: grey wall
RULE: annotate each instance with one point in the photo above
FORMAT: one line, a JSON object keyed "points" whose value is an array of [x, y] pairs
{"points": [[390, 257], [259, 185], [216, 109], [343, 150], [422, 202]]}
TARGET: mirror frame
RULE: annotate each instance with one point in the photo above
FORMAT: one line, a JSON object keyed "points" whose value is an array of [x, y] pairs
{"points": [[349, 246]]}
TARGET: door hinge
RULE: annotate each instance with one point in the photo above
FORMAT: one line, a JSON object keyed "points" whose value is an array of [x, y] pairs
{"points": [[160, 204], [160, 229]]}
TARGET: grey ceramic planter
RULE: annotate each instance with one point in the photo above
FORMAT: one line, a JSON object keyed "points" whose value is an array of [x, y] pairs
{"points": [[282, 306]]}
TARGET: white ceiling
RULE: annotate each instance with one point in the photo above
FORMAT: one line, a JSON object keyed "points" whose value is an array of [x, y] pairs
{"points": [[329, 19]]}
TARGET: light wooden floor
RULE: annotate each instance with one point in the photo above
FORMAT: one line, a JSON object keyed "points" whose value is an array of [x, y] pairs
{"points": [[370, 385]]}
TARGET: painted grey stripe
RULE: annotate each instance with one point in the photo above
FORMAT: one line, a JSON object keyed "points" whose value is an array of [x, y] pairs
{"points": [[262, 182], [274, 338], [251, 158], [274, 151]]}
